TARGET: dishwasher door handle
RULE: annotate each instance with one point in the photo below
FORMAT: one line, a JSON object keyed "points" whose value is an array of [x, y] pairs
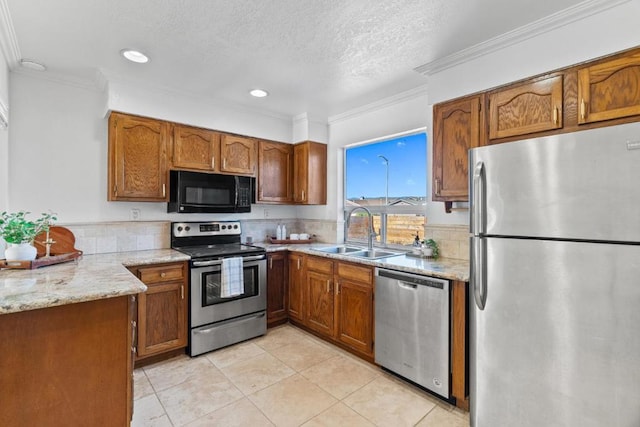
{"points": [[407, 285]]}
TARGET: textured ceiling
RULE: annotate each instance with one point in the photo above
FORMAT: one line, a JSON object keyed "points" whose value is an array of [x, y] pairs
{"points": [[322, 57]]}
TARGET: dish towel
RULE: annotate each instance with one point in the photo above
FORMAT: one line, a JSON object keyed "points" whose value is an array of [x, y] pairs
{"points": [[232, 277]]}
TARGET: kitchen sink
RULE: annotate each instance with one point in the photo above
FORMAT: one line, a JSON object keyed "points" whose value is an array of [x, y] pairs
{"points": [[373, 254], [354, 251], [339, 249]]}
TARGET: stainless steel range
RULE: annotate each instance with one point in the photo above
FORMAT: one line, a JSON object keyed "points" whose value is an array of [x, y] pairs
{"points": [[228, 282]]}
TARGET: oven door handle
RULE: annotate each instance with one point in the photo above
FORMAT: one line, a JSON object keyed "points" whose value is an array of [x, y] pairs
{"points": [[219, 261]]}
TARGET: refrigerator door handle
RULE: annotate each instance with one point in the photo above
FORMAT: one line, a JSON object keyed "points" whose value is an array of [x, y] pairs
{"points": [[478, 190], [479, 271]]}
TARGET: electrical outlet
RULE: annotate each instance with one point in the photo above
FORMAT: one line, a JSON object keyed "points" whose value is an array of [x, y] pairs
{"points": [[134, 215], [266, 213]]}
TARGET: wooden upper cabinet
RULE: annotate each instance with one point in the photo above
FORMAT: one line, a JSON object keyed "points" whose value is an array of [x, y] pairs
{"points": [[310, 173], [527, 108], [138, 158], [609, 90], [275, 164], [457, 128], [238, 155], [195, 148]]}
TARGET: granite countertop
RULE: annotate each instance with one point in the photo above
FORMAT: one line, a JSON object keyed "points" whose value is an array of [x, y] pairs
{"points": [[92, 277], [446, 268]]}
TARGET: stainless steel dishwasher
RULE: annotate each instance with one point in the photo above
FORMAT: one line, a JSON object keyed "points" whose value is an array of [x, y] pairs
{"points": [[412, 328]]}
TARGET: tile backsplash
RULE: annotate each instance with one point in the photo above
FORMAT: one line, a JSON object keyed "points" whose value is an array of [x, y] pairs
{"points": [[105, 237], [453, 240], [260, 230]]}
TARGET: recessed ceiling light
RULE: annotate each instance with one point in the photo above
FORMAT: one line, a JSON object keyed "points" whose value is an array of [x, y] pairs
{"points": [[135, 56], [258, 93], [32, 65]]}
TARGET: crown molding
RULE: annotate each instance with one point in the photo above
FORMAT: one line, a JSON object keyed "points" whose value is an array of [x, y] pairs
{"points": [[536, 28], [382, 103], [92, 84], [8, 40]]}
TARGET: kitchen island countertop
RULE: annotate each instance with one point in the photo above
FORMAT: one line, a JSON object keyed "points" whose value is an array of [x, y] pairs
{"points": [[446, 268], [91, 277]]}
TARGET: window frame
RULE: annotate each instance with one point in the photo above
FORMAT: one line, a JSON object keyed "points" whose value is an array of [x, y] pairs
{"points": [[383, 210]]}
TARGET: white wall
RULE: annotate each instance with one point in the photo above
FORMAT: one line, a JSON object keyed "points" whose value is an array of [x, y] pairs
{"points": [[4, 137], [597, 35], [402, 113], [58, 149], [203, 112], [607, 32], [399, 114]]}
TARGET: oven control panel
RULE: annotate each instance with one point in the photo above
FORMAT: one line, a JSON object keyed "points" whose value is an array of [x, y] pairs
{"points": [[211, 228]]}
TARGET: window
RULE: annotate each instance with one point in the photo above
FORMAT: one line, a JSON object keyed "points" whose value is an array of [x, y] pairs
{"points": [[389, 178]]}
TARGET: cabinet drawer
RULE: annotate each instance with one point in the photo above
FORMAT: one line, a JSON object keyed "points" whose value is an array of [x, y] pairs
{"points": [[319, 264], [355, 272], [165, 273]]}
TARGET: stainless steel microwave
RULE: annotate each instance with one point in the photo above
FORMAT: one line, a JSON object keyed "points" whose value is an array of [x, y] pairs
{"points": [[198, 192]]}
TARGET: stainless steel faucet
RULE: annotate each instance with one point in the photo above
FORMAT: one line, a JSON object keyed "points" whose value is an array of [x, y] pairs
{"points": [[372, 233]]}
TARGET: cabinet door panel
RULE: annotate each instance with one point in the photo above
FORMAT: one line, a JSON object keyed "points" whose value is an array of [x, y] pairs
{"points": [[276, 287], [320, 302], [457, 129], [137, 158], [296, 289], [161, 318], [195, 148], [528, 108], [275, 162], [355, 302], [310, 173], [609, 90], [238, 155]]}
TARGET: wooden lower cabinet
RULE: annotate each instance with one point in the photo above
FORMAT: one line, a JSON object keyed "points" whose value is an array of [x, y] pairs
{"points": [[296, 287], [337, 302], [354, 291], [277, 289], [320, 296], [162, 310], [459, 344], [69, 365]]}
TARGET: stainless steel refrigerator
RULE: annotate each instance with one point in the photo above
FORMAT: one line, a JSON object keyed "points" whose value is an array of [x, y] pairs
{"points": [[555, 281]]}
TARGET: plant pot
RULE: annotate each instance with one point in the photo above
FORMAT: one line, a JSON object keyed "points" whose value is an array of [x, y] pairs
{"points": [[427, 251], [20, 252]]}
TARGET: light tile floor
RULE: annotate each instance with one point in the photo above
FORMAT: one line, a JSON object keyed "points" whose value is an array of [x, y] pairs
{"points": [[285, 378]]}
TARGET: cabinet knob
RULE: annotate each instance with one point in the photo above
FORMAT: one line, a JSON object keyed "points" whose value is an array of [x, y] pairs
{"points": [[163, 274]]}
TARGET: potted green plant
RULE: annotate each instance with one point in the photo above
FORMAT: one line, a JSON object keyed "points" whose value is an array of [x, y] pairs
{"points": [[19, 233], [430, 248]]}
